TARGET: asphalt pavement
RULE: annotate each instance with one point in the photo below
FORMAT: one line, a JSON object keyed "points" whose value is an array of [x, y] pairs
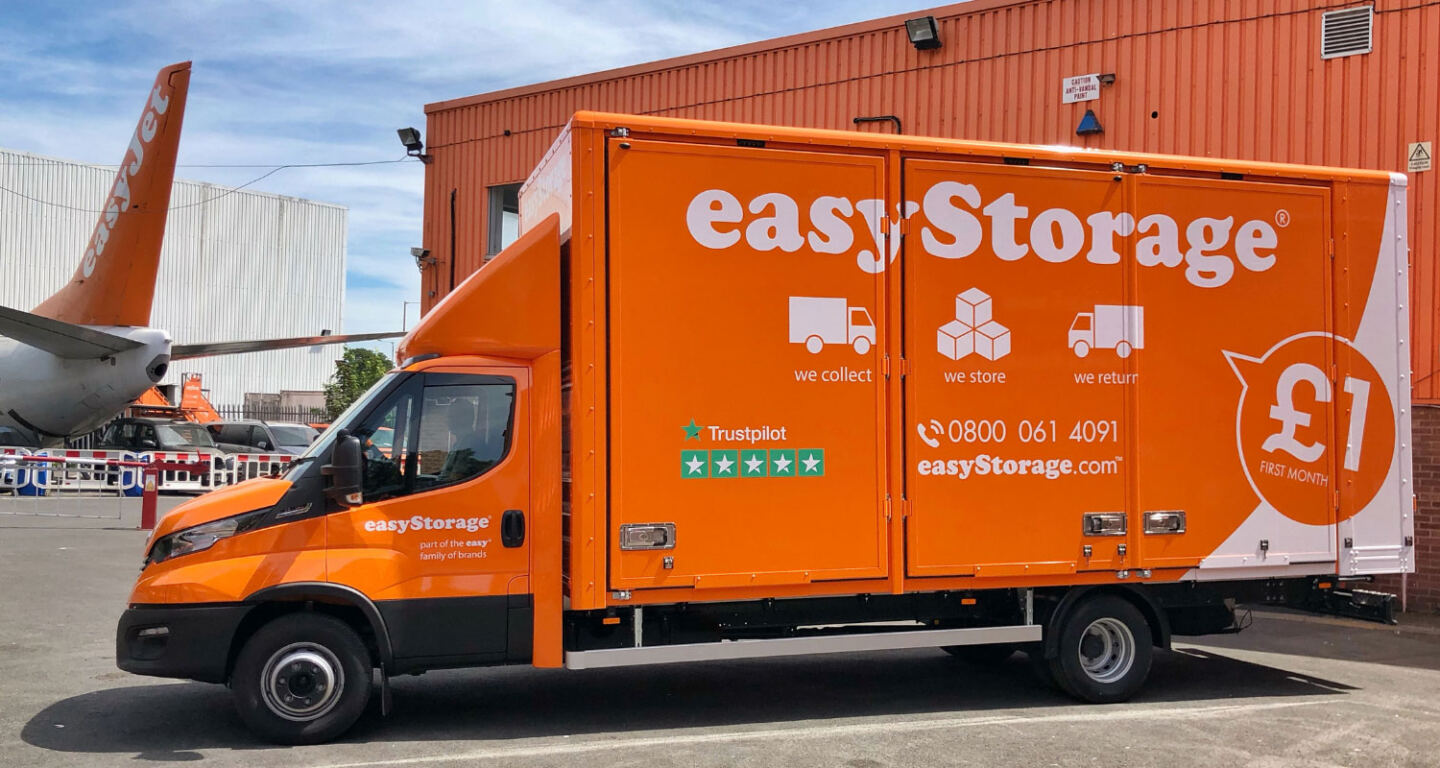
{"points": [[1290, 691]]}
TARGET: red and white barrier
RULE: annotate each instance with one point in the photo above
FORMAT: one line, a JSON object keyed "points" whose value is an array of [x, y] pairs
{"points": [[14, 475], [216, 476], [80, 471], [248, 465], [75, 471]]}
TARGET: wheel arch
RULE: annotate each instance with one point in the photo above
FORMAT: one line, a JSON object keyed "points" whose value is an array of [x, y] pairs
{"points": [[346, 603], [1139, 597]]}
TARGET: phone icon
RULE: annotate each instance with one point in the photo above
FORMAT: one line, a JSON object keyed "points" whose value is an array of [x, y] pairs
{"points": [[925, 433]]}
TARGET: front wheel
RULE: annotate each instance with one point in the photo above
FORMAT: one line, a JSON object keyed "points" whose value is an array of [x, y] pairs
{"points": [[304, 678], [1081, 349], [1104, 650]]}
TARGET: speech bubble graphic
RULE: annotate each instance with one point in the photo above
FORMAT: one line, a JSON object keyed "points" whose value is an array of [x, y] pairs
{"points": [[1303, 436]]}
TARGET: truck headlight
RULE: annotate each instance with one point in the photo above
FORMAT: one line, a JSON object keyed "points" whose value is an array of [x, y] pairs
{"points": [[201, 537]]}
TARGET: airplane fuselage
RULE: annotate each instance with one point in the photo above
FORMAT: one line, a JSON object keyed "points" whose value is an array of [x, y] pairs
{"points": [[50, 397]]}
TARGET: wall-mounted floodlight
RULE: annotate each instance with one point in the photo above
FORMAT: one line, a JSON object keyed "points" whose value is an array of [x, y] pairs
{"points": [[414, 146], [923, 33]]}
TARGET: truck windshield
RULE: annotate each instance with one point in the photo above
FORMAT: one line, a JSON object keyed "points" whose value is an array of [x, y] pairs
{"points": [[322, 443]]}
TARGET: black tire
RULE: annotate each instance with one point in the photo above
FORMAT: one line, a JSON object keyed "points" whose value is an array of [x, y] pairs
{"points": [[1104, 653], [981, 655], [325, 690], [1035, 656]]}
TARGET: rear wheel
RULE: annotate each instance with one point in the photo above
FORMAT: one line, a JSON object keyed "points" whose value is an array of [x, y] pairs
{"points": [[1104, 650], [304, 678], [981, 655]]}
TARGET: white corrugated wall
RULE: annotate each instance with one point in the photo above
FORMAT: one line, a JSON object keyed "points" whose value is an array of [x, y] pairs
{"points": [[236, 265]]}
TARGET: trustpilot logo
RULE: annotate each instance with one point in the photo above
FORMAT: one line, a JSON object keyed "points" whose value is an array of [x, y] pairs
{"points": [[723, 463]]}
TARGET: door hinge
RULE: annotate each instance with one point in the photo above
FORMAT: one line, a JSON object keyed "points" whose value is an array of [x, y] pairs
{"points": [[1337, 499], [885, 366], [1331, 247], [888, 509], [904, 223]]}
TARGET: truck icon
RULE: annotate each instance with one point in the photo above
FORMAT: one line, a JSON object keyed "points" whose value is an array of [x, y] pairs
{"points": [[816, 321], [1110, 326]]}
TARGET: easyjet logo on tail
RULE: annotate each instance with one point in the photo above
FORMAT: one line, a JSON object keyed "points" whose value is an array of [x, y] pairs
{"points": [[961, 221], [119, 199]]}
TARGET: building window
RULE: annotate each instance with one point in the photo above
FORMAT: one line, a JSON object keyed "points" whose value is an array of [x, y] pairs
{"points": [[504, 224]]}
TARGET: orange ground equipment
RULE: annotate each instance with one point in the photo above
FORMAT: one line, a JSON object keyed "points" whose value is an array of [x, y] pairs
{"points": [[744, 391]]}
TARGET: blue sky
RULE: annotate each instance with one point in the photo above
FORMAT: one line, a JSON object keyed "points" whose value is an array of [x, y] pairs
{"points": [[316, 82]]}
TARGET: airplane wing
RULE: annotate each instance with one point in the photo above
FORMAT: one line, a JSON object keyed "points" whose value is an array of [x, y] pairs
{"points": [[60, 338], [183, 351]]}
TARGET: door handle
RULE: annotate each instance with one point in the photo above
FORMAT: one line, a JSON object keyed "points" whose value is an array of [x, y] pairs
{"points": [[512, 528]]}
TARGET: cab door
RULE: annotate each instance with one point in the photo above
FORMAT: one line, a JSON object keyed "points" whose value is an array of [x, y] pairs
{"points": [[439, 540]]}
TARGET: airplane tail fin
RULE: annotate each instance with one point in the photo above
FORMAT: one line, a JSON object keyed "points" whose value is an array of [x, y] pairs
{"points": [[115, 282]]}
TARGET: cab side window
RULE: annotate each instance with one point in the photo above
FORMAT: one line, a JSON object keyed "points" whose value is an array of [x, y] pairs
{"points": [[465, 429], [383, 441], [436, 431]]}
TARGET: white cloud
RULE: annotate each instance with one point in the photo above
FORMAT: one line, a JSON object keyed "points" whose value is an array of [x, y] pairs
{"points": [[276, 81]]}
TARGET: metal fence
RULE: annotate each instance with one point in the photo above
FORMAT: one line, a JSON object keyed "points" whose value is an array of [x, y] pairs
{"points": [[301, 415]]}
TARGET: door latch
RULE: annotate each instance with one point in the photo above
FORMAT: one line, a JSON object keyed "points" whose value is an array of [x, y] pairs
{"points": [[512, 528]]}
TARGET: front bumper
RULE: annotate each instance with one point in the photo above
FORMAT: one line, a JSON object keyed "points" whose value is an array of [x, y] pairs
{"points": [[191, 642]]}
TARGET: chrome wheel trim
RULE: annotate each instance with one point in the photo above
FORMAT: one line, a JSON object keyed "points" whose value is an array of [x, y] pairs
{"points": [[302, 682]]}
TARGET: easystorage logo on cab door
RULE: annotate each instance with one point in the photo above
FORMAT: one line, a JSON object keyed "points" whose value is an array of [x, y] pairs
{"points": [[422, 523], [1209, 248]]}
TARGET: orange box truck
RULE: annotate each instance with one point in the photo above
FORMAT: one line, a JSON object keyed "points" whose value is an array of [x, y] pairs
{"points": [[744, 391]]}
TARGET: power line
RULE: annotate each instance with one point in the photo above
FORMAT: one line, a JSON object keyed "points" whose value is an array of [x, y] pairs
{"points": [[64, 163], [273, 170]]}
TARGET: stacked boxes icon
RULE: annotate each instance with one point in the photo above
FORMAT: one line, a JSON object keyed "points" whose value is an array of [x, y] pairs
{"points": [[973, 330]]}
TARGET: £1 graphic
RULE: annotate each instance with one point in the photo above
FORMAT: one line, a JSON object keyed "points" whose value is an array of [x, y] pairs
{"points": [[1302, 436]]}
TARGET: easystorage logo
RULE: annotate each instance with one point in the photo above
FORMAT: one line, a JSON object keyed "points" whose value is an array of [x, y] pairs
{"points": [[1209, 248], [422, 523]]}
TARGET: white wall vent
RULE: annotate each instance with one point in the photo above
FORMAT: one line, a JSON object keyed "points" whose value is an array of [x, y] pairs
{"points": [[1346, 32]]}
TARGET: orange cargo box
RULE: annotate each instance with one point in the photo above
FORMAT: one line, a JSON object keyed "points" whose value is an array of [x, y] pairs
{"points": [[830, 362]]}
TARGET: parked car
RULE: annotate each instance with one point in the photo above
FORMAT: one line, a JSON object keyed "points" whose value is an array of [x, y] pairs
{"points": [[156, 434], [253, 436]]}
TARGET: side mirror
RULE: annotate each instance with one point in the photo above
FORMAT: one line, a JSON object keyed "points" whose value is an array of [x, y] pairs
{"points": [[344, 471]]}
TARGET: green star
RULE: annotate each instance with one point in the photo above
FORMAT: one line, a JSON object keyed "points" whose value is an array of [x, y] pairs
{"points": [[692, 432]]}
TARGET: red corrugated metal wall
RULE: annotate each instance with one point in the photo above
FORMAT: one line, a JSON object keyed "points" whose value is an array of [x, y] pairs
{"points": [[1220, 78]]}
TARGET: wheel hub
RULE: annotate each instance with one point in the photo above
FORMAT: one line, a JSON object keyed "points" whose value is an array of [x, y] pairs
{"points": [[1107, 650], [302, 681]]}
